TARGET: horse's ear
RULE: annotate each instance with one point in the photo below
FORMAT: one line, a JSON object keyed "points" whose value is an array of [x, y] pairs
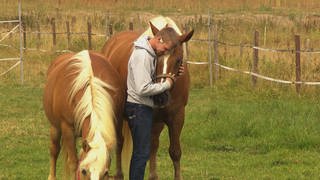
{"points": [[85, 146], [154, 29], [186, 36]]}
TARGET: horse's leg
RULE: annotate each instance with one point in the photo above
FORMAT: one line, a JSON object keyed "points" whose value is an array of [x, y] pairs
{"points": [[119, 173], [175, 125], [156, 131], [69, 143], [55, 136]]}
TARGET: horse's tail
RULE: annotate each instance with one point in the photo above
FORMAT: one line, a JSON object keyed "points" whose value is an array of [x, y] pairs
{"points": [[94, 102], [127, 148]]}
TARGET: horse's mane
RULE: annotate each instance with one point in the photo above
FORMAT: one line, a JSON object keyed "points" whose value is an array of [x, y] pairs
{"points": [[95, 102], [160, 22]]}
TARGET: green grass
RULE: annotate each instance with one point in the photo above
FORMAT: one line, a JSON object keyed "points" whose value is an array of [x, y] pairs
{"points": [[235, 133], [23, 133]]}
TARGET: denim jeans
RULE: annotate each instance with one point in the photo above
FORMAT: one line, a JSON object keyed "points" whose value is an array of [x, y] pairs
{"points": [[140, 124]]}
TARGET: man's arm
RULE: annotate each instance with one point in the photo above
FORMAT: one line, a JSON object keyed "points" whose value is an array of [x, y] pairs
{"points": [[141, 67]]}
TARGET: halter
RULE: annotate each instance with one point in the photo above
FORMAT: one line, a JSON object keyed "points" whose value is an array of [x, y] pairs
{"points": [[169, 75]]}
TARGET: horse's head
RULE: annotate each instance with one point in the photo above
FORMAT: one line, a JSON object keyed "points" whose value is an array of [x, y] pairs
{"points": [[95, 159], [171, 58]]}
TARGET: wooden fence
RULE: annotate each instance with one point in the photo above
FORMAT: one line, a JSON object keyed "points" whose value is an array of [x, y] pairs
{"points": [[68, 33], [254, 72], [255, 59]]}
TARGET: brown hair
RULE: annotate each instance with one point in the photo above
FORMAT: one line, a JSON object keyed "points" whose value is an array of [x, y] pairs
{"points": [[168, 34]]}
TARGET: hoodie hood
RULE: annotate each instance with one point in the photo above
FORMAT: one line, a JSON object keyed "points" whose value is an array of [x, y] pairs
{"points": [[143, 43]]}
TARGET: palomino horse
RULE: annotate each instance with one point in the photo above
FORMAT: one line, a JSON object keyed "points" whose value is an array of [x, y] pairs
{"points": [[118, 50], [83, 97]]}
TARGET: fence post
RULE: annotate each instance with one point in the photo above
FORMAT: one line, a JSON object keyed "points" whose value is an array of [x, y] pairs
{"points": [[110, 30], [54, 35], [20, 37], [24, 29], [68, 34], [186, 46], [38, 35], [216, 52], [209, 48], [298, 67], [73, 24], [131, 25], [89, 36], [107, 23], [255, 57], [265, 33], [241, 50]]}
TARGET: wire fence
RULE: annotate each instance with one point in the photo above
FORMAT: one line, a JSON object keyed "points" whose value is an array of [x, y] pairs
{"points": [[255, 49], [213, 48]]}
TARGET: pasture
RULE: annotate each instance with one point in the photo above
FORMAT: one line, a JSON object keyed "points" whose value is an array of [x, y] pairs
{"points": [[228, 134], [231, 131]]}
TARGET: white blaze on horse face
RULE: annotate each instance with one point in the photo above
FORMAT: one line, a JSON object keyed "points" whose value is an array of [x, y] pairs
{"points": [[165, 65], [95, 161]]}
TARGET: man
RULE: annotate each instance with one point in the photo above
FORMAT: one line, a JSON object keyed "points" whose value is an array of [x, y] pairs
{"points": [[141, 88]]}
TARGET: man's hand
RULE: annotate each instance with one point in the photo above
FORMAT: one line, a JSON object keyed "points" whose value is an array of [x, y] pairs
{"points": [[181, 70], [171, 80]]}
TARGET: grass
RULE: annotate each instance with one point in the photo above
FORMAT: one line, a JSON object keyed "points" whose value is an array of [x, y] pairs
{"points": [[234, 133], [23, 133]]}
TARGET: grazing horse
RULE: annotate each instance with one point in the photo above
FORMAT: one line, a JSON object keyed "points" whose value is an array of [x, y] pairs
{"points": [[118, 50], [83, 97]]}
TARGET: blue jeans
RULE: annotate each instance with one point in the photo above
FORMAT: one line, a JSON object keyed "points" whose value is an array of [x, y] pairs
{"points": [[140, 124]]}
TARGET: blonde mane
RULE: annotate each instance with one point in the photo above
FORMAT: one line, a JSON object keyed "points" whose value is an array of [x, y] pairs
{"points": [[160, 22], [95, 103]]}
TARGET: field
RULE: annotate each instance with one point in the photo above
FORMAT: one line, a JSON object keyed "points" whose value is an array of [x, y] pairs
{"points": [[228, 134], [232, 130]]}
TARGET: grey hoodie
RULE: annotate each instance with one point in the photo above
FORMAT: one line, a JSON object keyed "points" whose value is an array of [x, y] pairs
{"points": [[141, 69]]}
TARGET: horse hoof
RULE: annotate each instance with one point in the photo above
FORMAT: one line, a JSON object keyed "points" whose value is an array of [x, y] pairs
{"points": [[118, 177], [51, 177], [155, 177]]}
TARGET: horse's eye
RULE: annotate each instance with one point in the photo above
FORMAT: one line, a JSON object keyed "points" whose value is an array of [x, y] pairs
{"points": [[179, 62]]}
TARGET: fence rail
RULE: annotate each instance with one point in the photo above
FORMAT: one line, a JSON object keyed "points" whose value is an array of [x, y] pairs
{"points": [[8, 33], [306, 51], [266, 77], [10, 21], [255, 68], [212, 60]]}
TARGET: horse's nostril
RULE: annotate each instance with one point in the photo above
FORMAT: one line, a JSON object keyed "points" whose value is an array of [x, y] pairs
{"points": [[84, 172], [106, 174]]}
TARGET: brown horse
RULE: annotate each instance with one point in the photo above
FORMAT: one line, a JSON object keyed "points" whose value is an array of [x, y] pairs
{"points": [[118, 50], [83, 97]]}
